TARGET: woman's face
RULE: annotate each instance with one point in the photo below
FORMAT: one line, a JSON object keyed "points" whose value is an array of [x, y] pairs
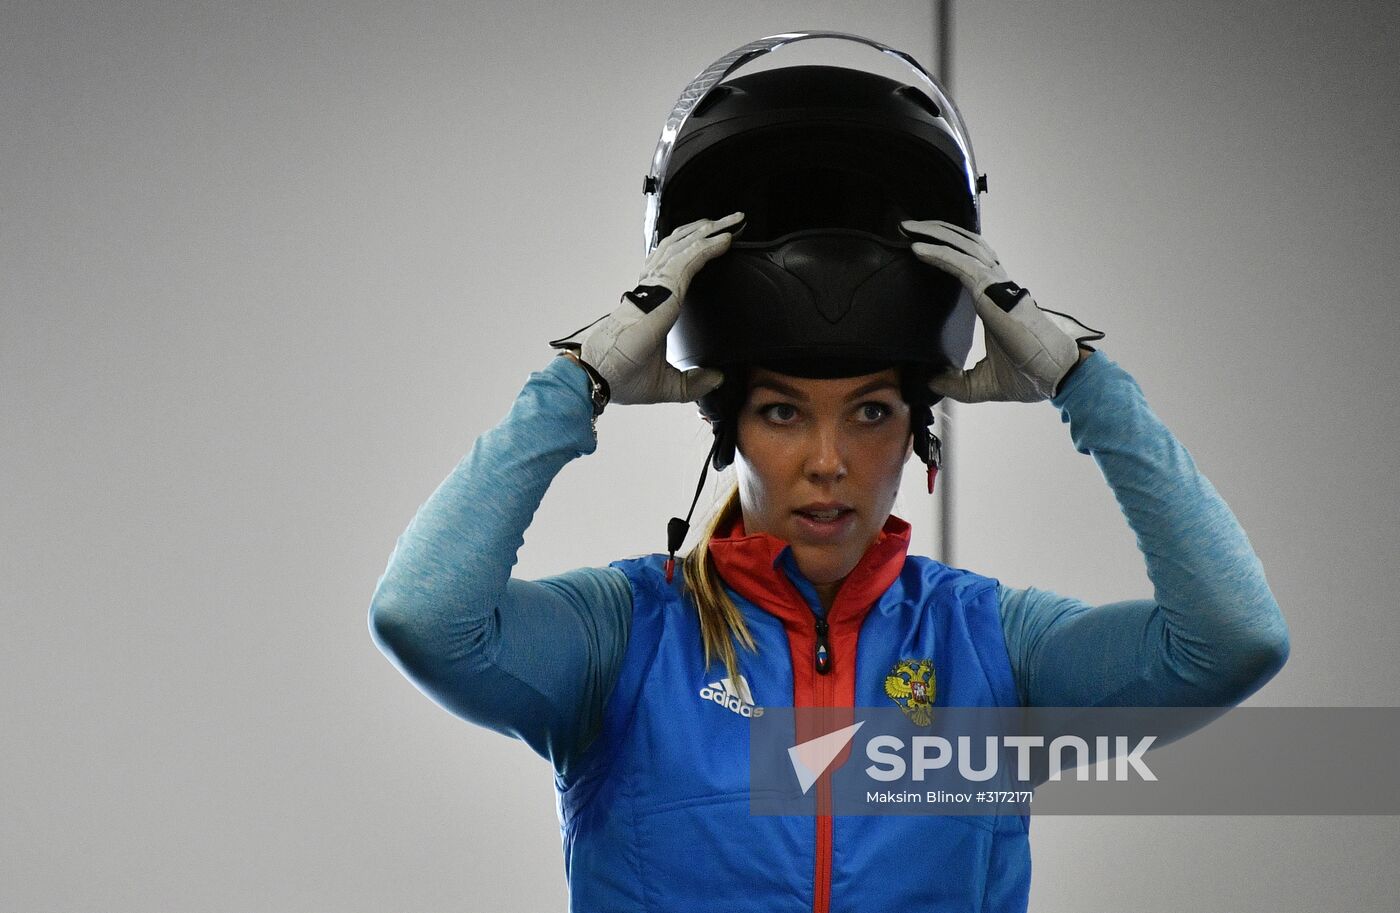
{"points": [[819, 464]]}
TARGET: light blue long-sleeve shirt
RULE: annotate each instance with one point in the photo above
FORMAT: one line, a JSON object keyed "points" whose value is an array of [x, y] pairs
{"points": [[537, 659]]}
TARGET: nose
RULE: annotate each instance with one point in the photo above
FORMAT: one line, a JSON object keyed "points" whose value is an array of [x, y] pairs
{"points": [[826, 455]]}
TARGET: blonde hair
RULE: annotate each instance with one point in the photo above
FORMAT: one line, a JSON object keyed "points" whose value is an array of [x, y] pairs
{"points": [[722, 625]]}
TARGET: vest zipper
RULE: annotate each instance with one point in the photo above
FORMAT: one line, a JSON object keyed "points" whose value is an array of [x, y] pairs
{"points": [[823, 656]]}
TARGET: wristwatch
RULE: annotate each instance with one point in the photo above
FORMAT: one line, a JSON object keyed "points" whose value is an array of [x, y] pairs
{"points": [[598, 391]]}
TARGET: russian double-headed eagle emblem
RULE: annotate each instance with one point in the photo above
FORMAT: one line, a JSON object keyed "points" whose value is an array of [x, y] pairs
{"points": [[910, 684]]}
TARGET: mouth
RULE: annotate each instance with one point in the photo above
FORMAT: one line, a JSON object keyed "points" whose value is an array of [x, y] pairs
{"points": [[824, 521], [822, 515]]}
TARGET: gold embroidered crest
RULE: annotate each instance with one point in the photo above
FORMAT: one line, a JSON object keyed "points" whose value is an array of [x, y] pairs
{"points": [[910, 684]]}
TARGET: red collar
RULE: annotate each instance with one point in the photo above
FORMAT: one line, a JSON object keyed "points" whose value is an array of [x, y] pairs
{"points": [[750, 564]]}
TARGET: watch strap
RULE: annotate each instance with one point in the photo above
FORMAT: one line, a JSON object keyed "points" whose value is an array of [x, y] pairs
{"points": [[598, 392]]}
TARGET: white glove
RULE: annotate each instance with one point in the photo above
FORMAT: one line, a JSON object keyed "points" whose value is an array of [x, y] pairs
{"points": [[1029, 349], [628, 346]]}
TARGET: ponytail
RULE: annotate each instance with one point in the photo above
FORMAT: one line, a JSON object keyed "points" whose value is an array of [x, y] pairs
{"points": [[721, 623]]}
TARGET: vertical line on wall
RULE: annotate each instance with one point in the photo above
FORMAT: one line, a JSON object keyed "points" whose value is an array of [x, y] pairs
{"points": [[943, 497]]}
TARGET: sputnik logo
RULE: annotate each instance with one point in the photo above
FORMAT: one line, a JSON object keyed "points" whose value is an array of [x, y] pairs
{"points": [[811, 758]]}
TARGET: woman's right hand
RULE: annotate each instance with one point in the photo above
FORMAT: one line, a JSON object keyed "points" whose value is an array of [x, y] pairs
{"points": [[628, 346]]}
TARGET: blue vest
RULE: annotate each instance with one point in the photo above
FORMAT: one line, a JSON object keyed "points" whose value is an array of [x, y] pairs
{"points": [[656, 817]]}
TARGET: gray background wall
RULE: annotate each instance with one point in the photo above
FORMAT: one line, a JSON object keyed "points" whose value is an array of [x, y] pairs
{"points": [[266, 271]]}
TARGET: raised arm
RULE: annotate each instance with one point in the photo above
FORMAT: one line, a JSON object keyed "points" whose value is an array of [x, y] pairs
{"points": [[537, 659], [531, 659], [1211, 635]]}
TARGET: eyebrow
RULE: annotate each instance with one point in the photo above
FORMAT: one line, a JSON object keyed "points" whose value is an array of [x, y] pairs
{"points": [[778, 386]]}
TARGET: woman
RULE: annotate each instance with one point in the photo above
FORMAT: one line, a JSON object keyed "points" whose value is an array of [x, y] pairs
{"points": [[801, 587], [602, 670]]}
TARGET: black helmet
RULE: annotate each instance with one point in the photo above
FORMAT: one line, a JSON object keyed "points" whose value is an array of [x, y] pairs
{"points": [[825, 162]]}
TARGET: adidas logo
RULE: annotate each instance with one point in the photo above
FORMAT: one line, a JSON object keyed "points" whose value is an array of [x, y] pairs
{"points": [[737, 698]]}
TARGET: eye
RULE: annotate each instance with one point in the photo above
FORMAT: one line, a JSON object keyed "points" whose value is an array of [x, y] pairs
{"points": [[873, 412], [779, 413]]}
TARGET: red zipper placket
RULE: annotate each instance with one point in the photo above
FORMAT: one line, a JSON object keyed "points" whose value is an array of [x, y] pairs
{"points": [[814, 696], [748, 564], [825, 697], [832, 687]]}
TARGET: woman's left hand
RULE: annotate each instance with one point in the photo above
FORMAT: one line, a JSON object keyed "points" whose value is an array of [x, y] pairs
{"points": [[1030, 350]]}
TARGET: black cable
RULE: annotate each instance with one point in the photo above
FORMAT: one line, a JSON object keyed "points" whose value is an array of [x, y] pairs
{"points": [[677, 529]]}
